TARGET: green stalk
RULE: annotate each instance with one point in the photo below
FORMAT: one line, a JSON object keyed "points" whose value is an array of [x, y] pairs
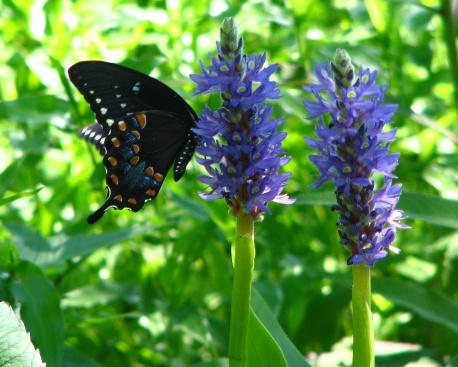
{"points": [[243, 261], [450, 40], [363, 330]]}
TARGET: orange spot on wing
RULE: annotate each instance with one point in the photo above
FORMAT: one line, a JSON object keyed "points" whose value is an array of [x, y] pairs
{"points": [[122, 125], [158, 177], [151, 192], [118, 198], [116, 143], [136, 134], [115, 179], [141, 118], [113, 161], [135, 148], [132, 201], [134, 160], [149, 171]]}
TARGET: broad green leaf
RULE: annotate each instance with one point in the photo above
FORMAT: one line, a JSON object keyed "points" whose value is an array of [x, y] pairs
{"points": [[416, 269], [7, 176], [377, 13], [92, 295], [453, 362], [265, 316], [411, 358], [316, 198], [17, 196], [40, 311], [194, 208], [9, 255], [427, 303], [429, 208], [299, 7], [16, 349], [31, 245], [263, 350], [41, 109], [35, 248], [223, 362], [73, 358]]}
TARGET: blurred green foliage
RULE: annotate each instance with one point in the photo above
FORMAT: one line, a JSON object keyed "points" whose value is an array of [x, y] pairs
{"points": [[152, 289]]}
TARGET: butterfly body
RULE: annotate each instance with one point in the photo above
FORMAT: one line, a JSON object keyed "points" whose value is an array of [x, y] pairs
{"points": [[143, 128]]}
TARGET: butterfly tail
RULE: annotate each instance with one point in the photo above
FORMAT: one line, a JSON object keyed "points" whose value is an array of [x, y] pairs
{"points": [[98, 213]]}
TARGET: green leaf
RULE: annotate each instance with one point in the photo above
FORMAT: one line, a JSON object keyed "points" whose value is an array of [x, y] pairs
{"points": [[8, 175], [73, 358], [429, 304], [40, 311], [16, 349], [41, 109], [194, 209], [429, 208], [377, 13], [92, 295], [316, 198], [9, 255], [263, 350], [299, 7], [35, 248], [19, 195], [453, 362], [223, 362], [265, 316]]}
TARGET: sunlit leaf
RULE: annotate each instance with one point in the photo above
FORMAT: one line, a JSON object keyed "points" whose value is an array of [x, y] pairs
{"points": [[266, 318], [7, 176], [377, 13], [428, 303], [42, 109], [17, 196], [16, 349], [73, 358], [40, 311], [263, 350], [57, 250]]}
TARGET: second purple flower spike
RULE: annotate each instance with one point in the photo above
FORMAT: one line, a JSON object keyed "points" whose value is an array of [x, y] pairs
{"points": [[352, 148], [238, 143]]}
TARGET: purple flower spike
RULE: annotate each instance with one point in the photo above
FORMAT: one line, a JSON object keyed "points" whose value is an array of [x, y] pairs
{"points": [[352, 147], [238, 143]]}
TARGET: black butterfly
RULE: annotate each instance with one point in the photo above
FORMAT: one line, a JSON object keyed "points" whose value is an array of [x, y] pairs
{"points": [[142, 128]]}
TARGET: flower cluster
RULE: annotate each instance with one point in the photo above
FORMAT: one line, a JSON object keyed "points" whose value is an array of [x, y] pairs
{"points": [[238, 143], [352, 147]]}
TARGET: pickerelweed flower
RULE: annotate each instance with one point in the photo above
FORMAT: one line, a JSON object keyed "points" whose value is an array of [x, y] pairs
{"points": [[238, 143], [352, 147]]}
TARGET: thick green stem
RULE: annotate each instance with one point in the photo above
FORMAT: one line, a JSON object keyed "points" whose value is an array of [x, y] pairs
{"points": [[363, 330], [450, 40], [243, 260]]}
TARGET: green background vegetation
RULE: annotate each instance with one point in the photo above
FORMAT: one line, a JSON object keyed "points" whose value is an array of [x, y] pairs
{"points": [[153, 288]]}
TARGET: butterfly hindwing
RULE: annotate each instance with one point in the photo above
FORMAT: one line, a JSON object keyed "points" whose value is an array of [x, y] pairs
{"points": [[143, 127], [184, 156], [140, 150]]}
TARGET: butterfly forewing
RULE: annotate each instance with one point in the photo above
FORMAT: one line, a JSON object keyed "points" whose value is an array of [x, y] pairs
{"points": [[113, 91]]}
